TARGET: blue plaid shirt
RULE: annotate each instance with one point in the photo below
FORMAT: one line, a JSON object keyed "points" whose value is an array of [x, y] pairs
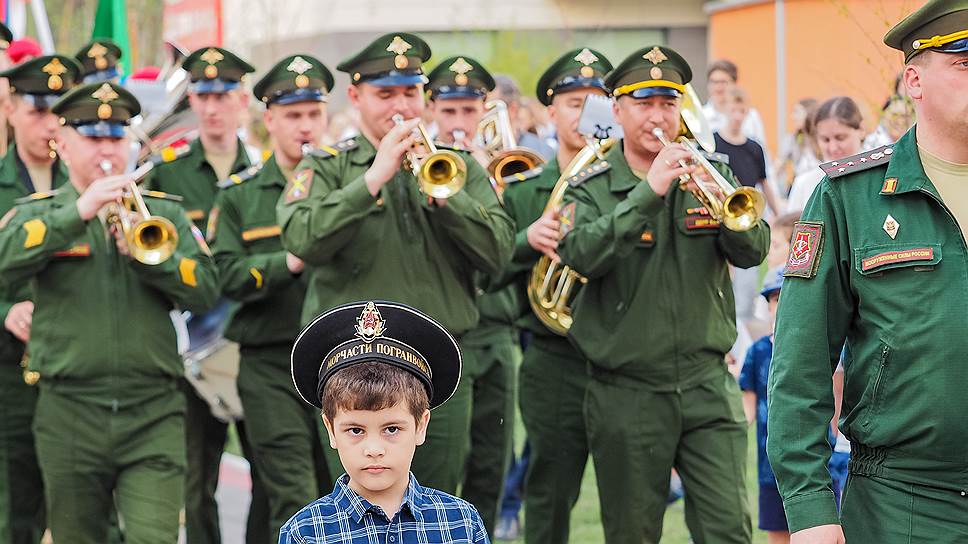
{"points": [[426, 516]]}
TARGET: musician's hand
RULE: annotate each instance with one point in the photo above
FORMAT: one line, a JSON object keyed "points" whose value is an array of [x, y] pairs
{"points": [[666, 169], [19, 319], [294, 264], [119, 239], [822, 534], [392, 148], [100, 193], [543, 234]]}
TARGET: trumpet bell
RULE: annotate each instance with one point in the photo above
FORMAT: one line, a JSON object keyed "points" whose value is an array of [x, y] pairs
{"points": [[442, 174], [512, 161], [152, 240], [743, 209]]}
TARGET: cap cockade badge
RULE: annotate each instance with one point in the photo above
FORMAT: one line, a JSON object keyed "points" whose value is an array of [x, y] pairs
{"points": [[370, 325]]}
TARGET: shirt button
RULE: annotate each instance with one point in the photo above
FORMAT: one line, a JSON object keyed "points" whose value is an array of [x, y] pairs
{"points": [[393, 538]]}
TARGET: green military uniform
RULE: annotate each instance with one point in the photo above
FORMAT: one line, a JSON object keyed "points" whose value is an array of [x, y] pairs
{"points": [[553, 376], [109, 420], [99, 61], [21, 488], [191, 176], [655, 321], [879, 261], [285, 434], [491, 349], [397, 245]]}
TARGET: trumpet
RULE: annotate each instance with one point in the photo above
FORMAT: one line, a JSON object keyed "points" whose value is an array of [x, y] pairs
{"points": [[442, 173], [151, 239], [500, 144]]}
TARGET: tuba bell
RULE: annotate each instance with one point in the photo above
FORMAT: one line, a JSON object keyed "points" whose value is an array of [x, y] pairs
{"points": [[551, 284], [442, 173], [501, 146]]}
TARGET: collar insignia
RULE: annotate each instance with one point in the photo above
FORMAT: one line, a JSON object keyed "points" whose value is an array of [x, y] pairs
{"points": [[370, 325]]}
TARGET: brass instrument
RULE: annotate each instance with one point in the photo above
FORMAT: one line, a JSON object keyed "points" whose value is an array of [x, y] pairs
{"points": [[440, 174], [172, 119], [507, 158], [741, 207], [551, 284], [151, 239]]}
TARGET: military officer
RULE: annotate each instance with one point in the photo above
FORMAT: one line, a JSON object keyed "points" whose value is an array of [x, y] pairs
{"points": [[553, 376], [30, 166], [99, 61], [457, 89], [109, 425], [217, 98], [366, 231], [878, 261], [655, 319], [256, 271]]}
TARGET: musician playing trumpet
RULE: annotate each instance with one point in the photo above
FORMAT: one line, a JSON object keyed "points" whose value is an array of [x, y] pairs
{"points": [[367, 229], [109, 425], [657, 316]]}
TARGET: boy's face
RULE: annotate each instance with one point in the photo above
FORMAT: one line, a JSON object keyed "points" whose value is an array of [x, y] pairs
{"points": [[376, 447], [773, 301], [779, 247]]}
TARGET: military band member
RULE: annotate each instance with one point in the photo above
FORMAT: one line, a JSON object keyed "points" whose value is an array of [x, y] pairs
{"points": [[109, 425], [458, 89], [99, 61], [878, 261], [365, 230], [553, 377], [284, 433], [217, 98], [31, 165], [656, 319]]}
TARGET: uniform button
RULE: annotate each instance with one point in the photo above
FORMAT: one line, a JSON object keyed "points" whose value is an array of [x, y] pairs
{"points": [[964, 493], [379, 201], [392, 538]]}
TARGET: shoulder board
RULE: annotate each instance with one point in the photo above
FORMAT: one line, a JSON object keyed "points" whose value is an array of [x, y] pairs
{"points": [[524, 176], [327, 151], [33, 197], [858, 163], [716, 157], [240, 177], [169, 154], [162, 195], [588, 173]]}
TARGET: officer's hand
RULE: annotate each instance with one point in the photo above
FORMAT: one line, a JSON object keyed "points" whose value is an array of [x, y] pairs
{"points": [[821, 534], [295, 264], [543, 234], [119, 239], [19, 319], [100, 193], [392, 148], [666, 168]]}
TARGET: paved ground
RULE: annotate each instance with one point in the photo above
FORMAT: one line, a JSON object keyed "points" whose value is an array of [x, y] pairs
{"points": [[234, 487]]}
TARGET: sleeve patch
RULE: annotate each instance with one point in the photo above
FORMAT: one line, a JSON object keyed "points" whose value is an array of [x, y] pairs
{"points": [[258, 277], [298, 187], [805, 249], [186, 270], [567, 219], [36, 232]]}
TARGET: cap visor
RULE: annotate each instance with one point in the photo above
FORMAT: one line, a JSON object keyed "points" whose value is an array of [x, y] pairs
{"points": [[40, 101], [102, 75], [300, 95], [213, 86], [103, 129], [397, 80], [646, 92], [458, 93]]}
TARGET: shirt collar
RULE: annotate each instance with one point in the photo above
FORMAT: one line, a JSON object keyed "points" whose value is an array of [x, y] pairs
{"points": [[356, 507], [364, 152], [905, 167], [622, 177], [241, 157]]}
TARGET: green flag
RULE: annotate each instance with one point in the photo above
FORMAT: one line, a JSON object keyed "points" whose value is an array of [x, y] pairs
{"points": [[111, 21]]}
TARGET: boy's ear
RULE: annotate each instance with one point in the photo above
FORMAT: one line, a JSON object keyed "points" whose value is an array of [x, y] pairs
{"points": [[329, 431], [422, 427]]}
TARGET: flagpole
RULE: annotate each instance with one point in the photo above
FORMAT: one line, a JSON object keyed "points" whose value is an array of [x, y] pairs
{"points": [[39, 11]]}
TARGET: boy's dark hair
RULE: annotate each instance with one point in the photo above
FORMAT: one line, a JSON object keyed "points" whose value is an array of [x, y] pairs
{"points": [[723, 65], [373, 386]]}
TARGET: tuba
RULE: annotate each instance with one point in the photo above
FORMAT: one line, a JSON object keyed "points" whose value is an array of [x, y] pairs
{"points": [[442, 173], [551, 284], [166, 116], [741, 208], [500, 144], [151, 238]]}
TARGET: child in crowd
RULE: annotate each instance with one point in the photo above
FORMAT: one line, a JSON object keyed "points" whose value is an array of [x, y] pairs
{"points": [[376, 392]]}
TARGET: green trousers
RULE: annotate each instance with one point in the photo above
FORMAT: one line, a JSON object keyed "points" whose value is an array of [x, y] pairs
{"points": [[205, 438], [636, 436], [553, 383], [886, 511], [439, 462], [493, 385], [21, 488], [286, 435], [94, 459]]}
